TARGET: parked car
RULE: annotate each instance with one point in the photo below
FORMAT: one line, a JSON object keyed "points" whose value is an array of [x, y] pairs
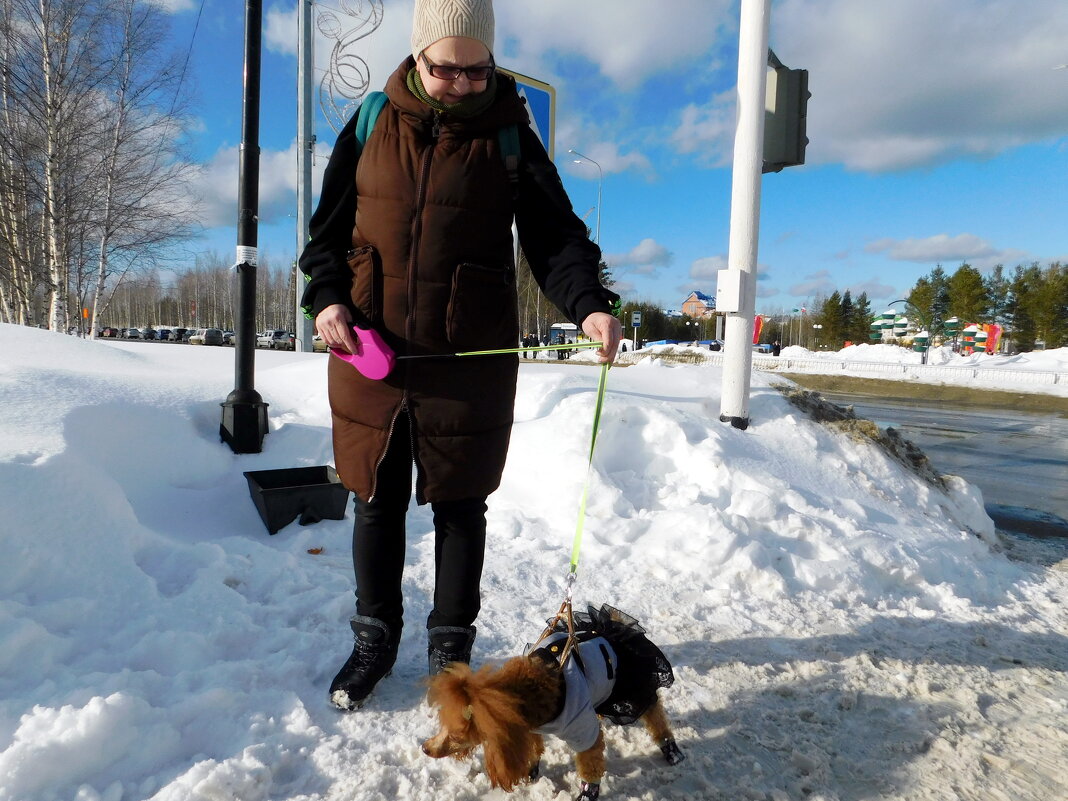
{"points": [[206, 336], [178, 334], [228, 337], [287, 341], [132, 333], [318, 346], [109, 332], [163, 334], [148, 332], [267, 339]]}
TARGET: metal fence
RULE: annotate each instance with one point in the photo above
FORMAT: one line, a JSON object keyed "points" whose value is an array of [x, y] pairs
{"points": [[922, 372]]}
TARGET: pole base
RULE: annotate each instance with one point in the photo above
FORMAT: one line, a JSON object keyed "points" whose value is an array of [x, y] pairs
{"points": [[741, 423], [244, 421]]}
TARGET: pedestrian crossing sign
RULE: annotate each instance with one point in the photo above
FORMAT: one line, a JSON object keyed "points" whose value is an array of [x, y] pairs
{"points": [[540, 98]]}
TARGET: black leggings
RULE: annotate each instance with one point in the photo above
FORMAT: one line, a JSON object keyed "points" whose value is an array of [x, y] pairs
{"points": [[378, 540]]}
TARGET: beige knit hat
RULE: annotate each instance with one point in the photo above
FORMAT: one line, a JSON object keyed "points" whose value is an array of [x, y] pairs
{"points": [[436, 19]]}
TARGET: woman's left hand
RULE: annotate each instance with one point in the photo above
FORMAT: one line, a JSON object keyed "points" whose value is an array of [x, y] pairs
{"points": [[603, 327]]}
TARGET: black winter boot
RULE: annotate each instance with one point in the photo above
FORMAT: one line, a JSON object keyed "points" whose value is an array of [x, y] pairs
{"points": [[372, 658], [447, 644]]}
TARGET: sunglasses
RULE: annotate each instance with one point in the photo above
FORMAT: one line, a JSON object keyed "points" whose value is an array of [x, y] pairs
{"points": [[444, 73]]}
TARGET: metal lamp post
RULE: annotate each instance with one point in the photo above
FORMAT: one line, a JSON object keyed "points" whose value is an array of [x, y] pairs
{"points": [[600, 182], [244, 417]]}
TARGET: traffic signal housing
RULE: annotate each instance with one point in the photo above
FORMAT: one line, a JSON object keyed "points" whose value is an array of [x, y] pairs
{"points": [[785, 112]]}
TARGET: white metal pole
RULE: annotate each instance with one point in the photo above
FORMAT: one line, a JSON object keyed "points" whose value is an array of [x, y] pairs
{"points": [[745, 208], [305, 146]]}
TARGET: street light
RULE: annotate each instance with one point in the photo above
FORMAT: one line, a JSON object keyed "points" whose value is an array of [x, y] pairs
{"points": [[600, 181], [816, 335]]}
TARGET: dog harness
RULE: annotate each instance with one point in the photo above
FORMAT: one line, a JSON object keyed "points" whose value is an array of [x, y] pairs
{"points": [[589, 676]]}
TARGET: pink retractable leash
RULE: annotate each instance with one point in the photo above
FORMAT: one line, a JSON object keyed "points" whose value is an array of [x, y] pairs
{"points": [[373, 357]]}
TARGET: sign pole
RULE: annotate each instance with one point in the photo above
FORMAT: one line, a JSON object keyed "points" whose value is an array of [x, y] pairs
{"points": [[745, 210]]}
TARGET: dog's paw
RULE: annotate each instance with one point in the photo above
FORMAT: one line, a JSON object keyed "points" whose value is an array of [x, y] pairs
{"points": [[671, 752], [535, 772], [591, 791]]}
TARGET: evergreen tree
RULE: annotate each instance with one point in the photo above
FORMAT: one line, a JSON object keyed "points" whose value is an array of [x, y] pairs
{"points": [[997, 293], [862, 316], [922, 297], [1021, 321], [847, 317], [968, 297], [1049, 305], [829, 317]]}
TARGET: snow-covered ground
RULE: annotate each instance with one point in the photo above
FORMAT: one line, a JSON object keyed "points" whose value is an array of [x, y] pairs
{"points": [[840, 628]]}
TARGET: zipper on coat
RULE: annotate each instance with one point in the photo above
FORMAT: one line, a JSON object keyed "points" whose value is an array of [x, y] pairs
{"points": [[389, 436], [417, 223], [409, 323]]}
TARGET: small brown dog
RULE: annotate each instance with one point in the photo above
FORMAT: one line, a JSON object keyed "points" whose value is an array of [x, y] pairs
{"points": [[613, 671]]}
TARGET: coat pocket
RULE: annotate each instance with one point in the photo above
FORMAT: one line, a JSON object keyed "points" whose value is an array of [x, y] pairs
{"points": [[482, 312], [366, 290]]}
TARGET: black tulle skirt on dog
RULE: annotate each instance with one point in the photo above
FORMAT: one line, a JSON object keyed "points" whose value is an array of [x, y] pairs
{"points": [[643, 668]]}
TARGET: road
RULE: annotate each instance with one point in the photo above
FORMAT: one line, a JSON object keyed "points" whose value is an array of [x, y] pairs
{"points": [[1019, 459]]}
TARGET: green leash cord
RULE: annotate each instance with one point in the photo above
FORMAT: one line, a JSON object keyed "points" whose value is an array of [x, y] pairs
{"points": [[572, 346], [564, 614], [577, 544]]}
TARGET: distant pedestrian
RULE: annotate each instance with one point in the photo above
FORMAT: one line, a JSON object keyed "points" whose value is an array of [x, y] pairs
{"points": [[775, 348]]}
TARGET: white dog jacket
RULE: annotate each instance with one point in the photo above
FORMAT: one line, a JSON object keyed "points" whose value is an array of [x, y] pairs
{"points": [[589, 676]]}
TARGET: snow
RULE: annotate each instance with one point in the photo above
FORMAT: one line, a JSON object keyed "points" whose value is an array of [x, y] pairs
{"points": [[840, 628]]}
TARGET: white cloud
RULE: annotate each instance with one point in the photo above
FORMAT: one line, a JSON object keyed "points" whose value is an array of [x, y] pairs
{"points": [[944, 248], [628, 41], [708, 131], [175, 6], [910, 83], [818, 283], [645, 258], [216, 185], [705, 269], [606, 154], [916, 82], [875, 289]]}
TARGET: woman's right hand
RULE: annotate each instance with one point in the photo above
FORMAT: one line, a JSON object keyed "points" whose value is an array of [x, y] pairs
{"points": [[334, 324]]}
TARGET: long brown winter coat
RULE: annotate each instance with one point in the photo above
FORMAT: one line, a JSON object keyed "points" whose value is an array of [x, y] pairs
{"points": [[429, 263]]}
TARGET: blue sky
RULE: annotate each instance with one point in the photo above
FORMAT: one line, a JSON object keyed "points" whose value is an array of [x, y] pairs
{"points": [[938, 133]]}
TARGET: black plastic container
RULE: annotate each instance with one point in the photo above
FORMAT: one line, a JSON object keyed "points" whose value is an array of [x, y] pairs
{"points": [[310, 493]]}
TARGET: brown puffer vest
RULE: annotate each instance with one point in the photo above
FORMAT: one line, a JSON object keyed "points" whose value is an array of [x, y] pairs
{"points": [[433, 271]]}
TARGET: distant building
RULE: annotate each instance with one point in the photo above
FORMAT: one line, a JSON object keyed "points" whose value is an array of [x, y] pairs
{"points": [[699, 306]]}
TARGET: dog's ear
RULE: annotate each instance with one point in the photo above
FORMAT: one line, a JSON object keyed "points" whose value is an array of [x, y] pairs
{"points": [[509, 746], [448, 685]]}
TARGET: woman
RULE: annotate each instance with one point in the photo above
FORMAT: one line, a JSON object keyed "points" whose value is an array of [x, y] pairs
{"points": [[414, 240]]}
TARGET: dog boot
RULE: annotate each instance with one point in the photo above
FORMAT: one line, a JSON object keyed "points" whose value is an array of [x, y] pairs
{"points": [[372, 658], [447, 644], [671, 752]]}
